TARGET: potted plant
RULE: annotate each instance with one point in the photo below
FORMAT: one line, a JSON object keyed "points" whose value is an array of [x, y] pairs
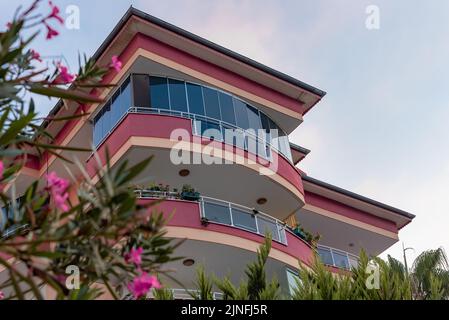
{"points": [[189, 193]]}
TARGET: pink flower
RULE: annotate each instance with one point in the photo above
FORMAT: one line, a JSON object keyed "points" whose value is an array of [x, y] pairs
{"points": [[116, 63], [134, 256], [2, 168], [54, 14], [50, 32], [58, 190], [141, 284], [2, 296], [35, 55], [64, 76]]}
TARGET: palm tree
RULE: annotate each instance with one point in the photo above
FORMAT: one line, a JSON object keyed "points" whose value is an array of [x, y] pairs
{"points": [[430, 275]]}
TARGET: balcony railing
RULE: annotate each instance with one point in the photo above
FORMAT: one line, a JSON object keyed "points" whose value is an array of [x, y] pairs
{"points": [[227, 213], [337, 258], [251, 142], [238, 216]]}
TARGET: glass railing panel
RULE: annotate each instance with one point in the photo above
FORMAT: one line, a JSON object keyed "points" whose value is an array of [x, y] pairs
{"points": [[244, 220], [217, 213], [325, 255], [353, 261], [340, 259], [266, 225]]}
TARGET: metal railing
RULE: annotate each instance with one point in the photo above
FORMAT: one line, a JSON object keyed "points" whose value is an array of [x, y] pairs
{"points": [[13, 230], [148, 193], [227, 213], [247, 135], [241, 217], [337, 258]]}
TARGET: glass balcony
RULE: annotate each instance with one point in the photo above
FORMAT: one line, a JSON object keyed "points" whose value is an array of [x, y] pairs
{"points": [[208, 108], [228, 213], [231, 214], [337, 258]]}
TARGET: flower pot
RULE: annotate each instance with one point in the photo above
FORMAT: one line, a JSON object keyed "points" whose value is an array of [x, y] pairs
{"points": [[190, 196]]}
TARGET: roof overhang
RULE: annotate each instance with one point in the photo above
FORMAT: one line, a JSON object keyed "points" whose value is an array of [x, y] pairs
{"points": [[135, 21], [298, 153], [381, 210]]}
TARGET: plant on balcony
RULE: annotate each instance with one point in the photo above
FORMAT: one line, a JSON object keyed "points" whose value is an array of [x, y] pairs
{"points": [[189, 193], [306, 235], [91, 230], [159, 187]]}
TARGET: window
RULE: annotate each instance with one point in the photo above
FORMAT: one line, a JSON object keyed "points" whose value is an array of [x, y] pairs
{"points": [[211, 103], [106, 119], [125, 97], [292, 279], [244, 220], [241, 115], [159, 93], [227, 108], [217, 213], [178, 100], [195, 95], [115, 108], [253, 118]]}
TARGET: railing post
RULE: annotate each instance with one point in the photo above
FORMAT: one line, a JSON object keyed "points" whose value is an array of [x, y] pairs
{"points": [[332, 256], [257, 224], [230, 213]]}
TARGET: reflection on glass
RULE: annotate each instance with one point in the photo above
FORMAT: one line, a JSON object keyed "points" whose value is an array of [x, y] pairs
{"points": [[227, 108], [217, 213], [341, 260], [244, 220], [195, 96], [325, 255], [266, 226], [211, 103], [178, 100], [159, 93]]}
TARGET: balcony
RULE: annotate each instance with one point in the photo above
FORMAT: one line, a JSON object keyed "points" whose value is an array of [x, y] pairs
{"points": [[337, 258], [209, 108], [229, 214]]}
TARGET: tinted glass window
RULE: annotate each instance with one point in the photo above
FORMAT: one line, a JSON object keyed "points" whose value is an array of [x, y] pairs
{"points": [[217, 213], [241, 115], [265, 122], [178, 99], [159, 93], [253, 118], [227, 108], [195, 95], [211, 103], [125, 98], [115, 108], [106, 119]]}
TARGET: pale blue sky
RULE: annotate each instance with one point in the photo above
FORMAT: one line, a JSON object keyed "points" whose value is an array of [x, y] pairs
{"points": [[382, 128]]}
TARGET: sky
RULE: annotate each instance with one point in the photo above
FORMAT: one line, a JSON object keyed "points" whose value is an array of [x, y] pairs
{"points": [[381, 130]]}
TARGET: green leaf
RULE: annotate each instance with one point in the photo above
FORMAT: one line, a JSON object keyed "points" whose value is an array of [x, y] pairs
{"points": [[69, 94]]}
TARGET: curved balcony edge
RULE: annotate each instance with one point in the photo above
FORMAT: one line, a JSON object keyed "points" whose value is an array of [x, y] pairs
{"points": [[186, 222]]}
